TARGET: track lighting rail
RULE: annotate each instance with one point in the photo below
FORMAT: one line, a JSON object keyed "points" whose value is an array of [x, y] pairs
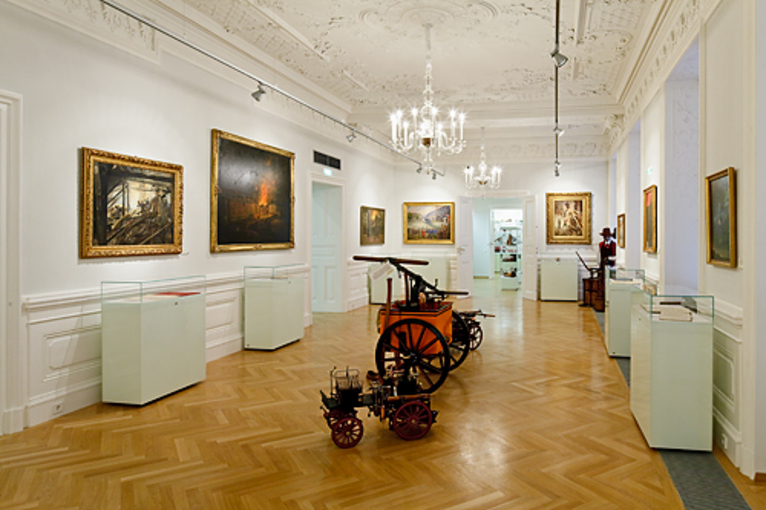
{"points": [[262, 84]]}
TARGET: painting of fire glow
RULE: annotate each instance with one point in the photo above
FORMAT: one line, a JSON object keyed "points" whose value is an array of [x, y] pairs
{"points": [[251, 195]]}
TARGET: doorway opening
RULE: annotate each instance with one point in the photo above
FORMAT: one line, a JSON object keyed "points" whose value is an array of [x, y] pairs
{"points": [[498, 225], [327, 258]]}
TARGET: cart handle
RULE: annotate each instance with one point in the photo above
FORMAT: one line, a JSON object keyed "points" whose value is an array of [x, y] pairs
{"points": [[392, 260]]}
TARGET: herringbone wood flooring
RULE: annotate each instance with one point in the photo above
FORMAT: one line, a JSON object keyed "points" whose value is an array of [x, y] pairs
{"points": [[538, 417]]}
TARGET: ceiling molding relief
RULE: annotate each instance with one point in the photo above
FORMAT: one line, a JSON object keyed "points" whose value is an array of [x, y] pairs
{"points": [[94, 19], [673, 37]]}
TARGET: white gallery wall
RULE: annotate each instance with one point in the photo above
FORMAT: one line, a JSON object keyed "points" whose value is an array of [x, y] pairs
{"points": [[652, 166], [723, 87], [727, 138], [78, 91], [629, 198]]}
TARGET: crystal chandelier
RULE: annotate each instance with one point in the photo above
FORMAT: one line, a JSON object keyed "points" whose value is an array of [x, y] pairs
{"points": [[423, 129], [484, 179]]}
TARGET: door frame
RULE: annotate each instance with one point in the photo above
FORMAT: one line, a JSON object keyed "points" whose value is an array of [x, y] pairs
{"points": [[13, 352], [343, 273], [522, 194]]}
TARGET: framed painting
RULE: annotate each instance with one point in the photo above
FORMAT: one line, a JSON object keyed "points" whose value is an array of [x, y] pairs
{"points": [[721, 203], [621, 230], [372, 226], [429, 222], [567, 218], [650, 219], [129, 206], [252, 195]]}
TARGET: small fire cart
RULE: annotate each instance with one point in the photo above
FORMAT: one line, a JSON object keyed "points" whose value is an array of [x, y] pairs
{"points": [[394, 397]]}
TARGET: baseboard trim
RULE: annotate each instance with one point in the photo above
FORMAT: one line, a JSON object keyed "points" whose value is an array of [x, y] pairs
{"points": [[760, 478]]}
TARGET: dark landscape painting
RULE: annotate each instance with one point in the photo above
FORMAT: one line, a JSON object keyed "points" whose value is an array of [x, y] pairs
{"points": [[252, 195], [721, 219], [131, 206], [372, 226]]}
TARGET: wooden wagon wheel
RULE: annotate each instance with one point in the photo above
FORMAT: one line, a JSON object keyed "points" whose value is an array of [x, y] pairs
{"points": [[412, 420], [414, 346], [334, 416], [461, 341], [477, 335], [347, 432]]}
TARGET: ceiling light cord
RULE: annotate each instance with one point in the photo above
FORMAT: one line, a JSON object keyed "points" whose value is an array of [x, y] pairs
{"points": [[558, 61], [262, 85]]}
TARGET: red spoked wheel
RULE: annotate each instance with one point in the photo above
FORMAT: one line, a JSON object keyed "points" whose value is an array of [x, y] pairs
{"points": [[335, 416], [347, 432], [412, 420]]}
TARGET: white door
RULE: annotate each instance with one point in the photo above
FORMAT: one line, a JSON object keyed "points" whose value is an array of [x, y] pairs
{"points": [[326, 247], [529, 250], [465, 245]]}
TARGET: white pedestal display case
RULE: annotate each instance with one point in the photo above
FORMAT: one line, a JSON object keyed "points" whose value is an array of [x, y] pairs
{"points": [[273, 305], [620, 284], [153, 338], [671, 369], [558, 278]]}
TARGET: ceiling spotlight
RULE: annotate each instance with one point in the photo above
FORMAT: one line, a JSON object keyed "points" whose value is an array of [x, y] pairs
{"points": [[351, 137], [559, 57], [260, 91]]}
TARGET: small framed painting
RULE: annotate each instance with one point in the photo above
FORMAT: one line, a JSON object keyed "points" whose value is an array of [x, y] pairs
{"points": [[129, 206], [621, 230], [567, 218], [372, 226], [429, 222], [721, 203], [650, 219], [251, 196]]}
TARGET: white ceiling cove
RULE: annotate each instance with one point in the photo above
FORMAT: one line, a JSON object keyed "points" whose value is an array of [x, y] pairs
{"points": [[490, 58]]}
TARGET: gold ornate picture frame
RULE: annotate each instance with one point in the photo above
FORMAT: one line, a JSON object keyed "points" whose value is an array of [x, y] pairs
{"points": [[429, 222], [650, 219], [621, 230], [372, 226], [252, 197], [567, 218], [129, 206], [721, 206]]}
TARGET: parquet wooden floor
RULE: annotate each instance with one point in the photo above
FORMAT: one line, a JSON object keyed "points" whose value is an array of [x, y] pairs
{"points": [[537, 418]]}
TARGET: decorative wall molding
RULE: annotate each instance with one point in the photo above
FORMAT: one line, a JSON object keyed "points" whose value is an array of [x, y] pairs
{"points": [[13, 350], [95, 19], [358, 288], [727, 392], [663, 48], [63, 332]]}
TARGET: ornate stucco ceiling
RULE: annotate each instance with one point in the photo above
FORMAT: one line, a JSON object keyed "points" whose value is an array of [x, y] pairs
{"points": [[490, 57]]}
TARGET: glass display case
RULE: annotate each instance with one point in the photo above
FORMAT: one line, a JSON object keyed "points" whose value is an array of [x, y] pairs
{"points": [[620, 283], [152, 338], [671, 368], [273, 305]]}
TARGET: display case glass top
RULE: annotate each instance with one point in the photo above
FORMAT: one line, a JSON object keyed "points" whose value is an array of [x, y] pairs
{"points": [[145, 291], [627, 276], [676, 304], [258, 273]]}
